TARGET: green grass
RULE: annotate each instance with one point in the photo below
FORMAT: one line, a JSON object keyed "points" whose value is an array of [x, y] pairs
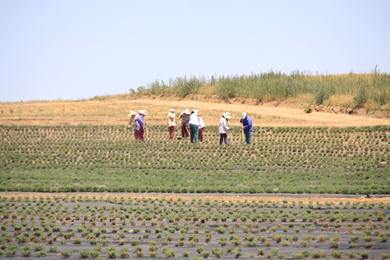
{"points": [[107, 158], [270, 86]]}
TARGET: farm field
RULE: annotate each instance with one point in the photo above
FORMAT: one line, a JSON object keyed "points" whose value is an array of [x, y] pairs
{"points": [[74, 183], [101, 227], [107, 158]]}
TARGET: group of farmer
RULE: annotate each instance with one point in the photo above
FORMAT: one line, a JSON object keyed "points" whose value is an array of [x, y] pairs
{"points": [[192, 125]]}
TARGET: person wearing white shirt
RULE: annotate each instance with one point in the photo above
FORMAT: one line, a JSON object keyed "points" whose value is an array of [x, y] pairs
{"points": [[223, 128], [171, 123], [201, 128], [194, 126]]}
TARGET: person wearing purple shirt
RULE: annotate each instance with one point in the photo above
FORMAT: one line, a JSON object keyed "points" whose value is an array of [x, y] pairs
{"points": [[247, 126], [138, 126]]}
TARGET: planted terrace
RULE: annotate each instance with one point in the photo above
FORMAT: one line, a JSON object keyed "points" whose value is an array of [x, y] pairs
{"points": [[107, 158]]}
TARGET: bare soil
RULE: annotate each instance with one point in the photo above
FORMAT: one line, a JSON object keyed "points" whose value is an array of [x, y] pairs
{"points": [[114, 112], [305, 198], [274, 116]]}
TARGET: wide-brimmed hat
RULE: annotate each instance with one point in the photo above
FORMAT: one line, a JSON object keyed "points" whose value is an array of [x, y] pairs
{"points": [[132, 113], [187, 111], [172, 110], [244, 115], [226, 115], [142, 112], [195, 111]]}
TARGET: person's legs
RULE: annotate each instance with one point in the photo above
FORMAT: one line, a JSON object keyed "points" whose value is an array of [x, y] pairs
{"points": [[192, 132], [139, 135], [196, 133], [200, 135], [171, 132], [183, 131], [223, 138], [142, 134], [135, 134], [248, 138], [226, 137]]}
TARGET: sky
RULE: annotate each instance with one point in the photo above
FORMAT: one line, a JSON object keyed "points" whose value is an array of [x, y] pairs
{"points": [[74, 49]]}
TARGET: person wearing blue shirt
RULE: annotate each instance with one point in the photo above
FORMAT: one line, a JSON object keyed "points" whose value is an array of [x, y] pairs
{"points": [[247, 126]]}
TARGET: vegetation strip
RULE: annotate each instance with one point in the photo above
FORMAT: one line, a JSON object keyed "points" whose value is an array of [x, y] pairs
{"points": [[106, 158], [119, 227]]}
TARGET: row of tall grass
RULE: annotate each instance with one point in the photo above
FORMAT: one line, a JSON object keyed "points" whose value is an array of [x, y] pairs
{"points": [[359, 90]]}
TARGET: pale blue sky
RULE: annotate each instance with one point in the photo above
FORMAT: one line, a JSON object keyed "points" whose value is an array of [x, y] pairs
{"points": [[79, 49]]}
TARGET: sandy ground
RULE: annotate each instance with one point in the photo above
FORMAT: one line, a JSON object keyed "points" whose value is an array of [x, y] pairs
{"points": [[114, 112], [276, 116], [305, 198]]}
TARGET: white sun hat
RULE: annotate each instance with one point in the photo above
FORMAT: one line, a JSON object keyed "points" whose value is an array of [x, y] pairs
{"points": [[187, 111], [172, 110], [244, 115], [226, 115], [195, 111], [132, 113], [142, 112]]}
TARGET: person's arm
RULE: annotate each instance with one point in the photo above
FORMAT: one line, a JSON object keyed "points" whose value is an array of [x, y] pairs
{"points": [[248, 123], [224, 124], [142, 120], [131, 121], [245, 124]]}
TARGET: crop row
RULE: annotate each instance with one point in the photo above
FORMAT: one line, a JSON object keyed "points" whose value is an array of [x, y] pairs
{"points": [[197, 228]]}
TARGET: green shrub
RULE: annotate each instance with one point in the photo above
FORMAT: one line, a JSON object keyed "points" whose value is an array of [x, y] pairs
{"points": [[364, 255], [39, 247], [321, 95], [84, 254], [318, 254], [66, 254], [111, 252], [336, 254], [94, 254], [308, 109], [360, 98], [124, 252], [26, 251]]}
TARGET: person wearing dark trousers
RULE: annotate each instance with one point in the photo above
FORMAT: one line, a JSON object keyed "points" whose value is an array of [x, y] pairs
{"points": [[247, 126], [223, 128], [194, 126]]}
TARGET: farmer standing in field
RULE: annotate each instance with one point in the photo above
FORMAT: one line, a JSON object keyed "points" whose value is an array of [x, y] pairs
{"points": [[138, 125], [223, 128], [185, 123], [201, 128], [132, 115], [194, 126], [247, 127], [171, 123]]}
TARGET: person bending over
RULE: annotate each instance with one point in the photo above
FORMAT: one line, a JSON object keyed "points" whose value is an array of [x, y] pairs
{"points": [[247, 126]]}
